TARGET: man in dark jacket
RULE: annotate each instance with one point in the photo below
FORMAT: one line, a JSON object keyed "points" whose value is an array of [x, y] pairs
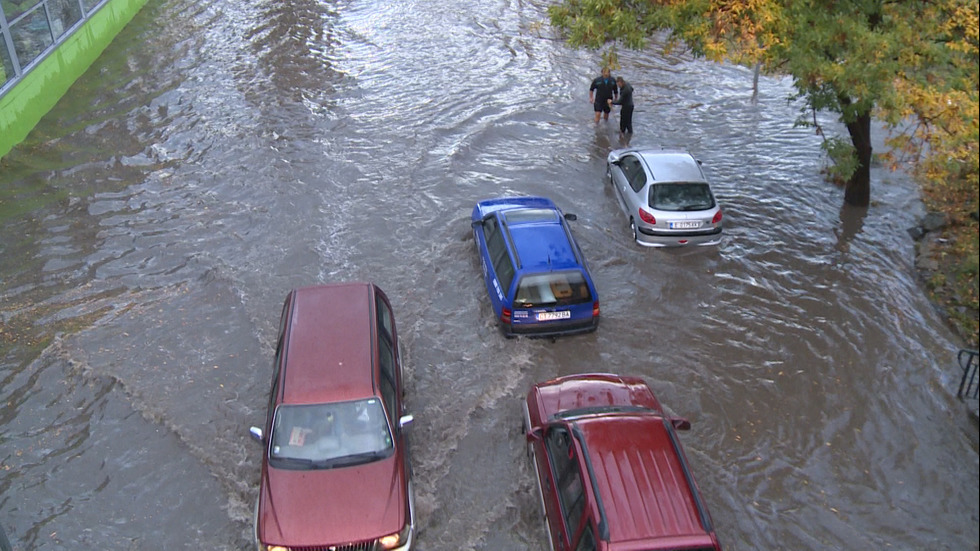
{"points": [[602, 91], [626, 101]]}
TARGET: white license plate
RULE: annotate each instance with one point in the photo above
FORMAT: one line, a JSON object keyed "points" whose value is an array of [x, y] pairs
{"points": [[685, 225], [551, 316]]}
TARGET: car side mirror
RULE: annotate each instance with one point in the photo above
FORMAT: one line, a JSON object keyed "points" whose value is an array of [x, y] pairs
{"points": [[680, 423], [534, 434], [256, 433], [405, 421], [571, 217]]}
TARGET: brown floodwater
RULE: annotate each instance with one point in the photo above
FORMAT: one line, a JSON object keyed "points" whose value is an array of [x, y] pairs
{"points": [[220, 153]]}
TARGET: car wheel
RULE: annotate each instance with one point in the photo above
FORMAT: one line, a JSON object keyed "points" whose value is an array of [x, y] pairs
{"points": [[633, 229]]}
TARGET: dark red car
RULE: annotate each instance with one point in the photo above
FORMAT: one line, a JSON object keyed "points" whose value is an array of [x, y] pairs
{"points": [[335, 472], [611, 471]]}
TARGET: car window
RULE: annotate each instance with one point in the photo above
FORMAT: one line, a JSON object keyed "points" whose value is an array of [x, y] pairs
{"points": [[681, 197], [634, 172], [327, 435], [385, 320], [587, 541], [388, 393], [561, 452], [274, 393], [497, 248], [518, 216], [550, 289]]}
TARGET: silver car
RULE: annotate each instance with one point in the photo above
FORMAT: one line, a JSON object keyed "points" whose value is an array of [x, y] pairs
{"points": [[665, 196]]}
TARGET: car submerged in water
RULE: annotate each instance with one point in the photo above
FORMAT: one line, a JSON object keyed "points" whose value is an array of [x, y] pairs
{"points": [[665, 196], [535, 274]]}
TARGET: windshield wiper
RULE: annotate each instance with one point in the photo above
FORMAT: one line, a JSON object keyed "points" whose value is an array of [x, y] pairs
{"points": [[294, 462], [349, 460]]}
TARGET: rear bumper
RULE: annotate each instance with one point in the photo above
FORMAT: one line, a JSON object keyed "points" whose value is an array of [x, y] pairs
{"points": [[550, 329], [658, 238]]}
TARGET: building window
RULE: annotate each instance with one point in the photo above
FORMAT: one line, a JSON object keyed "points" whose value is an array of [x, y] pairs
{"points": [[13, 8], [31, 35], [6, 64], [64, 14]]}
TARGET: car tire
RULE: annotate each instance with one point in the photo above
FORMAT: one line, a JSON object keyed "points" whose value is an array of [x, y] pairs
{"points": [[633, 230]]}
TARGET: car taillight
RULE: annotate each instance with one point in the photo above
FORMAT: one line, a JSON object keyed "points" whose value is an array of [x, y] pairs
{"points": [[647, 217], [595, 309], [717, 217], [505, 315]]}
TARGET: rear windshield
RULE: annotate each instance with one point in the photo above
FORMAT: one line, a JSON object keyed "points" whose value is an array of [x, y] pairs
{"points": [[555, 288], [330, 435], [681, 197]]}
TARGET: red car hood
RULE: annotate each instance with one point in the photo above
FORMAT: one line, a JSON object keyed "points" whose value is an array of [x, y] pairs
{"points": [[332, 506]]}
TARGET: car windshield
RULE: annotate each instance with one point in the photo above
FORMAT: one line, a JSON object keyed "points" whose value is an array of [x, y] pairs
{"points": [[519, 216], [554, 288], [681, 197], [330, 435]]}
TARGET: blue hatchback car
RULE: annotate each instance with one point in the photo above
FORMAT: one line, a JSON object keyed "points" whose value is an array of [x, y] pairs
{"points": [[536, 276]]}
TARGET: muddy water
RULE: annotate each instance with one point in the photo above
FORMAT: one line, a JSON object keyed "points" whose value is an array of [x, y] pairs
{"points": [[221, 153]]}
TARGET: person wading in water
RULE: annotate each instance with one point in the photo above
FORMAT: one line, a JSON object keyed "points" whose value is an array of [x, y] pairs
{"points": [[626, 101], [603, 90]]}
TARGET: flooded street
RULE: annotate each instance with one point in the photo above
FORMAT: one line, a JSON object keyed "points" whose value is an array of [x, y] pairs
{"points": [[221, 153]]}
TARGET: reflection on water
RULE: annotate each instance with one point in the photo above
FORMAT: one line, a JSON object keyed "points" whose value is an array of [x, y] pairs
{"points": [[220, 154], [851, 223]]}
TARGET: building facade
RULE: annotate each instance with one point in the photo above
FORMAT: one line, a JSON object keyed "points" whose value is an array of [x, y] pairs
{"points": [[45, 45]]}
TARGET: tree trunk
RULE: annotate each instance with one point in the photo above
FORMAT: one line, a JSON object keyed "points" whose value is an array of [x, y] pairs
{"points": [[857, 190]]}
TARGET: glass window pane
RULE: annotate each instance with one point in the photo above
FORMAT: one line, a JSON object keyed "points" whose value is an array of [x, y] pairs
{"points": [[587, 542], [384, 316], [320, 434], [552, 288], [64, 14], [681, 197], [387, 356], [13, 8], [31, 36], [6, 63], [530, 215]]}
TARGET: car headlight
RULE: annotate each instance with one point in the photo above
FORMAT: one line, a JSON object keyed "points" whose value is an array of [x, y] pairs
{"points": [[264, 547], [392, 541]]}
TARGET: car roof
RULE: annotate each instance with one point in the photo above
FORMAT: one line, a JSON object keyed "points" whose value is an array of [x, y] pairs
{"points": [[672, 165], [537, 230], [329, 353], [644, 486], [543, 246]]}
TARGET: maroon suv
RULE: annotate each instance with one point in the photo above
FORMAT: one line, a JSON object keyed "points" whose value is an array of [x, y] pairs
{"points": [[335, 472], [611, 471]]}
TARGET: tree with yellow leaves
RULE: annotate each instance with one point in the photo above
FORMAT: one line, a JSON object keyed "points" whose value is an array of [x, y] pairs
{"points": [[909, 63]]}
